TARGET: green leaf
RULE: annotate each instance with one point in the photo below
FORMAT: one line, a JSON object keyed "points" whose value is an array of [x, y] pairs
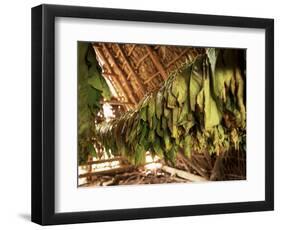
{"points": [[174, 123], [183, 113], [171, 103], [159, 105], [212, 113], [158, 148], [187, 146], [143, 135], [164, 122], [143, 113], [167, 141], [196, 80], [159, 130], [140, 155], [151, 111], [92, 150], [94, 96], [96, 79], [179, 88], [172, 153], [151, 136]]}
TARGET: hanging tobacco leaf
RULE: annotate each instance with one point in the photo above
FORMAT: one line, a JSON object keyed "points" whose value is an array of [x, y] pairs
{"points": [[92, 87], [199, 109]]}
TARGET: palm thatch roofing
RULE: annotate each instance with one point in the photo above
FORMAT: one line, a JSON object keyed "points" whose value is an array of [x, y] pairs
{"points": [[134, 70]]}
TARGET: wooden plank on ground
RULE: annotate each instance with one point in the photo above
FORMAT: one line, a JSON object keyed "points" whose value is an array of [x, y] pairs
{"points": [[183, 174]]}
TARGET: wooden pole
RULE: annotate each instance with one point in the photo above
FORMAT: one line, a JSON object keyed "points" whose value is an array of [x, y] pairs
{"points": [[89, 174]]}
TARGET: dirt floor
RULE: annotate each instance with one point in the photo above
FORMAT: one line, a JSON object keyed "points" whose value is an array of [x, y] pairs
{"points": [[135, 176]]}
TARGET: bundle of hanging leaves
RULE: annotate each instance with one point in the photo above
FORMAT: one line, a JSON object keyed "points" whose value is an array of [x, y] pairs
{"points": [[92, 87], [200, 108]]}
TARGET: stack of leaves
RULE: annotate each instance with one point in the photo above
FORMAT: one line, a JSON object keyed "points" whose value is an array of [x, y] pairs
{"points": [[92, 87], [200, 108]]}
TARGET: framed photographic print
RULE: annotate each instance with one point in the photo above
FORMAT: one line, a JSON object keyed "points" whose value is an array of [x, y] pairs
{"points": [[142, 114]]}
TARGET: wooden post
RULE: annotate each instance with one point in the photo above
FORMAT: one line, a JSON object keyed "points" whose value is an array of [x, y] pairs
{"points": [[89, 175]]}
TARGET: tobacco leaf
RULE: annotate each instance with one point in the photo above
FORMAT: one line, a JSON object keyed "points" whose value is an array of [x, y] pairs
{"points": [[199, 109], [159, 106], [151, 111], [179, 88], [139, 155], [157, 147]]}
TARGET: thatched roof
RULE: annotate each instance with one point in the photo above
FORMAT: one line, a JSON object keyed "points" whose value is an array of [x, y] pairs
{"points": [[134, 70]]}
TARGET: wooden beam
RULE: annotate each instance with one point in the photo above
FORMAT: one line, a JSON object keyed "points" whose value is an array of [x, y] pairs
{"points": [[91, 162], [141, 60], [108, 172], [156, 62], [131, 50], [183, 174], [125, 84], [110, 74], [151, 78], [129, 76], [133, 73], [116, 102], [177, 58]]}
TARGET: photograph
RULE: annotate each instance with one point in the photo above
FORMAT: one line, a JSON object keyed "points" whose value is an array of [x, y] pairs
{"points": [[157, 114], [140, 114]]}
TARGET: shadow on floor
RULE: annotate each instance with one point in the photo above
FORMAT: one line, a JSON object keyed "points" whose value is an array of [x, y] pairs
{"points": [[25, 216]]}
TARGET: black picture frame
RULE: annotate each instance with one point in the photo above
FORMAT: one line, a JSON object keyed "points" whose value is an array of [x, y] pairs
{"points": [[43, 114]]}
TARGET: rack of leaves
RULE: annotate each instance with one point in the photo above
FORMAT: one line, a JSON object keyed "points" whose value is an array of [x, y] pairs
{"points": [[200, 108], [92, 87]]}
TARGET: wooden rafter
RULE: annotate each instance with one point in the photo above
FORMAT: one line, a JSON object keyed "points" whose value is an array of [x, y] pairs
{"points": [[176, 59], [116, 84], [129, 76], [151, 78], [106, 74], [132, 72], [131, 50], [156, 62], [115, 79], [124, 82], [141, 60]]}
